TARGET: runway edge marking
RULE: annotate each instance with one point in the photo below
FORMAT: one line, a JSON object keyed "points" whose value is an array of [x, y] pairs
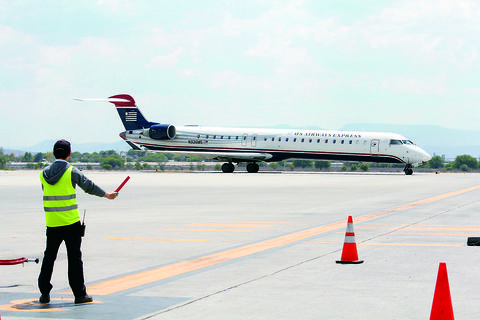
{"points": [[138, 279]]}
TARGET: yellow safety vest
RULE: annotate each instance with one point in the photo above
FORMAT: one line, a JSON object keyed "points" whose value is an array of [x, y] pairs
{"points": [[60, 201]]}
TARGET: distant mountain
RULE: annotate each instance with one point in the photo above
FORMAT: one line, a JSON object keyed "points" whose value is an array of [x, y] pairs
{"points": [[287, 126], [47, 145], [14, 151], [433, 139]]}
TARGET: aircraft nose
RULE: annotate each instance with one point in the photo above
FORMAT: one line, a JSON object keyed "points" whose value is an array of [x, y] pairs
{"points": [[425, 156]]}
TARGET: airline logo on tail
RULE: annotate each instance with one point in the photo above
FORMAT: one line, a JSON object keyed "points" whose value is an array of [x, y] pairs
{"points": [[131, 116]]}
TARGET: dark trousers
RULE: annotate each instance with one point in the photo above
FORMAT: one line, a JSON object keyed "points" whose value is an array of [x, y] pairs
{"points": [[73, 241]]}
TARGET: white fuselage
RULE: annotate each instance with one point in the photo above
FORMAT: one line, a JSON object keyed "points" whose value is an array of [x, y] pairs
{"points": [[280, 144]]}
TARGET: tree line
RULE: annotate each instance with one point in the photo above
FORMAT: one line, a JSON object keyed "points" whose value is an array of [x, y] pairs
{"points": [[143, 160], [110, 159], [463, 163]]}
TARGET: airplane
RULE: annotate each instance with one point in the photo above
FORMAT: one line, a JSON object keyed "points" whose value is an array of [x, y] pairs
{"points": [[253, 145]]}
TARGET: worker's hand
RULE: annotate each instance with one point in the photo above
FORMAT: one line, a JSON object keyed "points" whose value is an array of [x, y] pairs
{"points": [[110, 195]]}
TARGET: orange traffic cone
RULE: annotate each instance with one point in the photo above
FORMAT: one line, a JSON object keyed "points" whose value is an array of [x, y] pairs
{"points": [[349, 253], [442, 302]]}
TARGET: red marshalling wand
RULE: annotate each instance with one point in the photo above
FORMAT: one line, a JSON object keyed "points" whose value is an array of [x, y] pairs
{"points": [[123, 183]]}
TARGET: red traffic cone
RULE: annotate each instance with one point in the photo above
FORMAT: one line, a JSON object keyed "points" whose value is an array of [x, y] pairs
{"points": [[442, 302], [349, 253]]}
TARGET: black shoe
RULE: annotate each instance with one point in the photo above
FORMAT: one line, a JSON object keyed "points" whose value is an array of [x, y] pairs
{"points": [[44, 298], [86, 298]]}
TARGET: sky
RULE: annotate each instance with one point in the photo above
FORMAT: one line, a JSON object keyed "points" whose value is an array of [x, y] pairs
{"points": [[244, 63]]}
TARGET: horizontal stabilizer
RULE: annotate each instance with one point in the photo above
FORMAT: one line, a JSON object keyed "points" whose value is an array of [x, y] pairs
{"points": [[113, 100], [130, 115]]}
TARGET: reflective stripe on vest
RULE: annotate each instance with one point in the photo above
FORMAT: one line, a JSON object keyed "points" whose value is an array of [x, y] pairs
{"points": [[60, 201]]}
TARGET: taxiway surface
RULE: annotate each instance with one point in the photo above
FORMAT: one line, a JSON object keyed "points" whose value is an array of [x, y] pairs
{"points": [[250, 246]]}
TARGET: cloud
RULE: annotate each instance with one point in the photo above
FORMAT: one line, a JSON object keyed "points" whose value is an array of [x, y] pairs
{"points": [[118, 6], [417, 85], [166, 61], [227, 78], [439, 30], [310, 56]]}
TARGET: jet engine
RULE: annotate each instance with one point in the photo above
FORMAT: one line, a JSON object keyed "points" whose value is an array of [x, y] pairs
{"points": [[162, 131]]}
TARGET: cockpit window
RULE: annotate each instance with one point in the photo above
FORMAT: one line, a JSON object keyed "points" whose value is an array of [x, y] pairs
{"points": [[407, 142], [395, 141]]}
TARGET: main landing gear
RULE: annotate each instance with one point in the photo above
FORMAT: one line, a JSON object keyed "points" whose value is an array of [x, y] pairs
{"points": [[228, 167], [408, 170], [252, 167]]}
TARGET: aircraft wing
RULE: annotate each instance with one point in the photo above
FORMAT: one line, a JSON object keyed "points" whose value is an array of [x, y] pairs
{"points": [[227, 156], [220, 155], [242, 157]]}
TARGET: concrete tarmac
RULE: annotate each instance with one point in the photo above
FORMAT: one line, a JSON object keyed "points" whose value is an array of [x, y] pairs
{"points": [[250, 246]]}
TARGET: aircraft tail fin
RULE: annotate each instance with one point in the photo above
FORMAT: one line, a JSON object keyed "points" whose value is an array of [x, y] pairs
{"points": [[130, 115]]}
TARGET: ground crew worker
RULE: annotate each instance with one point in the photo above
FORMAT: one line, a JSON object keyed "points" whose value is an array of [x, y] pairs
{"points": [[63, 220]]}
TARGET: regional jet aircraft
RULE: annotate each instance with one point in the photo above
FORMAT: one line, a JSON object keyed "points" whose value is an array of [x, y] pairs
{"points": [[235, 145]]}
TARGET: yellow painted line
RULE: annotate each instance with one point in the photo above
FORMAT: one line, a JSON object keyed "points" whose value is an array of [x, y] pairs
{"points": [[321, 242], [413, 204], [429, 234], [415, 228], [175, 269], [366, 228], [412, 244], [446, 225], [269, 222], [29, 305], [298, 226], [155, 239], [161, 273], [206, 230], [230, 225]]}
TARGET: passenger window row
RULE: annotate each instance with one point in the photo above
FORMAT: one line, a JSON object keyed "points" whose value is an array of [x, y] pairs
{"points": [[280, 139], [220, 137]]}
